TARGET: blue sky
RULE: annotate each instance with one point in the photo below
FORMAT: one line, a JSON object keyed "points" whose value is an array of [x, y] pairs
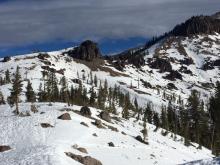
{"points": [[27, 25], [107, 46]]}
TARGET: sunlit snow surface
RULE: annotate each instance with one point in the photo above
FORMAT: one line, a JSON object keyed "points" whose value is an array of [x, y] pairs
{"points": [[33, 145]]}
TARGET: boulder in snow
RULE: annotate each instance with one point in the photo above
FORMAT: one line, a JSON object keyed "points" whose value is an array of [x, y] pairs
{"points": [[110, 144], [105, 116], [87, 160], [65, 116], [4, 148]]}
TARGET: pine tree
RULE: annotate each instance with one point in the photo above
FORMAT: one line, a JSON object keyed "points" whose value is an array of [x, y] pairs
{"points": [[194, 114], [40, 93], [170, 117], [30, 95], [163, 118], [125, 111], [149, 113], [156, 120], [214, 110], [92, 99], [64, 91], [137, 108], [16, 89], [7, 77], [95, 81], [2, 101]]}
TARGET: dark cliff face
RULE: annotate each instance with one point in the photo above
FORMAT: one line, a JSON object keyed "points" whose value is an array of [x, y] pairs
{"points": [[88, 50], [197, 25]]}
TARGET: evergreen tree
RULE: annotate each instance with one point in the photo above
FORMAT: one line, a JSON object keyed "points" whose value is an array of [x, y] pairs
{"points": [[163, 118], [40, 93], [7, 77], [30, 95], [125, 111], [149, 113], [214, 110], [95, 81], [2, 101], [156, 120], [92, 99], [64, 91], [194, 114], [16, 89]]}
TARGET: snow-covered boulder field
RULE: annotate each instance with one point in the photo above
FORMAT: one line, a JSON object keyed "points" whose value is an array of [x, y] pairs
{"points": [[42, 139]]}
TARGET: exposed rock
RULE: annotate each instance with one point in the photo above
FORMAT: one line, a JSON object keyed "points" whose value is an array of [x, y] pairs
{"points": [[123, 133], [187, 61], [161, 64], [43, 56], [207, 66], [87, 160], [65, 116], [94, 134], [4, 148], [173, 75], [112, 128], [88, 51], [184, 69], [105, 116], [146, 84], [24, 114], [171, 86], [134, 57], [83, 150], [47, 68], [85, 111], [83, 123], [110, 144], [6, 59], [45, 125], [216, 63], [98, 123], [139, 138]]}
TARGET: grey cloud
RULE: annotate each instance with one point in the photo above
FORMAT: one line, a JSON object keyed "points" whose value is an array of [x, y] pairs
{"points": [[29, 21]]}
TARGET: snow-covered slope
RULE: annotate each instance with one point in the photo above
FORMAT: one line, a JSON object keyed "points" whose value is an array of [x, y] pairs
{"points": [[33, 145], [196, 59]]}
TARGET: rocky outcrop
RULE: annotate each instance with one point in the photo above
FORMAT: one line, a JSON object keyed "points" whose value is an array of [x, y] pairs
{"points": [[162, 64], [133, 57], [105, 116], [88, 51], [6, 59], [87, 160], [173, 75]]}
